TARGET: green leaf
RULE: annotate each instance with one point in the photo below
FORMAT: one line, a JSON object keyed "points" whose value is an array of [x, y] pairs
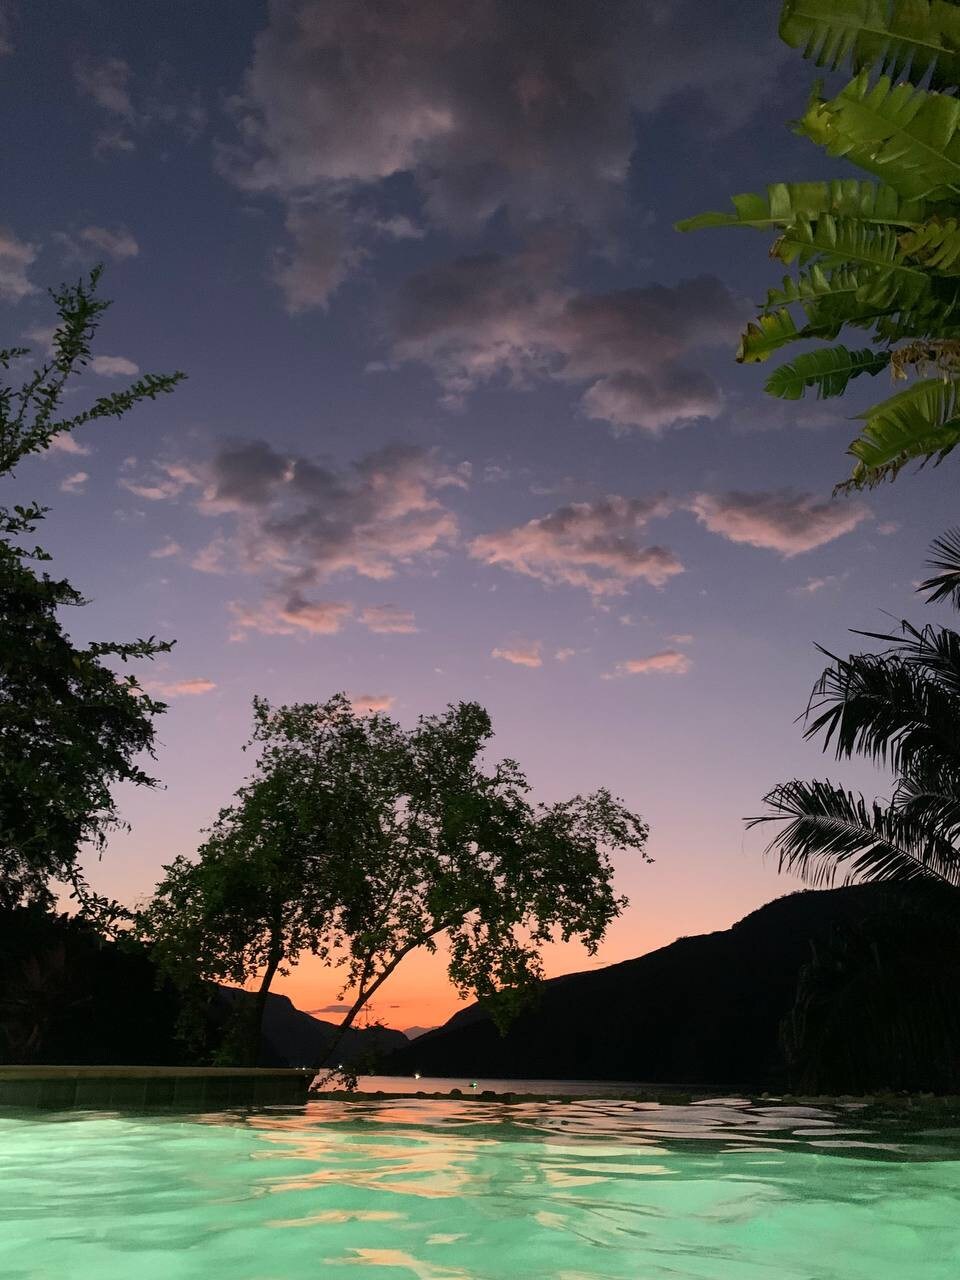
{"points": [[765, 335], [936, 244], [920, 423], [828, 370], [906, 136], [785, 202], [891, 283], [906, 38]]}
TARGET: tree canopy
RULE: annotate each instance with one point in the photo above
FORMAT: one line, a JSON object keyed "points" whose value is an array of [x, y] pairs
{"points": [[361, 841], [70, 728], [900, 708], [882, 253]]}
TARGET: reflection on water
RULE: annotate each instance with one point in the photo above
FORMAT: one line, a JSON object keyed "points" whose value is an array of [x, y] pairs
{"points": [[463, 1190]]}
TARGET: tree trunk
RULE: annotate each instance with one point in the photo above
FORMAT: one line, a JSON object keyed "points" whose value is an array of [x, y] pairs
{"points": [[254, 1033]]}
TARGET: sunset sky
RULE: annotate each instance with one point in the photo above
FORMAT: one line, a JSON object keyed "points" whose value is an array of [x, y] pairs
{"points": [[462, 418]]}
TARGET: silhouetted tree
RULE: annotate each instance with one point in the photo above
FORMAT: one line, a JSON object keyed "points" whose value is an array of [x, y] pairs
{"points": [[70, 729], [360, 841]]}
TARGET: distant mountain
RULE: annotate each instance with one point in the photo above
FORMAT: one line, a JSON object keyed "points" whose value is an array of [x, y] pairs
{"points": [[704, 1010], [294, 1038], [413, 1032]]}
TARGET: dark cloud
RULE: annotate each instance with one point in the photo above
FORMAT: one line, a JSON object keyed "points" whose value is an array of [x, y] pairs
{"points": [[297, 523], [488, 106], [493, 317]]}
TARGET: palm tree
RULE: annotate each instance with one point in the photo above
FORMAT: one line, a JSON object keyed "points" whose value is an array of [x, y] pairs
{"points": [[899, 707], [882, 253]]}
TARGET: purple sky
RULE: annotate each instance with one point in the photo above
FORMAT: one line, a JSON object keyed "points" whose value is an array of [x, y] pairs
{"points": [[462, 418]]}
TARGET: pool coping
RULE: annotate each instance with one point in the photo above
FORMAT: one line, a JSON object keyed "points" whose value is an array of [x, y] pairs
{"points": [[91, 1087]]}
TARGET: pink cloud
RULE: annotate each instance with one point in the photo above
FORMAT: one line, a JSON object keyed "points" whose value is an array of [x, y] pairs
{"points": [[669, 662], [388, 619], [591, 545], [783, 521], [521, 655], [292, 615], [179, 688], [365, 704]]}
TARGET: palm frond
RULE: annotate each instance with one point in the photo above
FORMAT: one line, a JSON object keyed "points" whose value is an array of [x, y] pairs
{"points": [[930, 798], [825, 830], [785, 202], [906, 38], [895, 708], [829, 370], [944, 585], [906, 136], [934, 652]]}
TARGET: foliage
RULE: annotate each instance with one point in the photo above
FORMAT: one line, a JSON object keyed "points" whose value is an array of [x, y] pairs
{"points": [[878, 255], [69, 727], [878, 1004], [361, 842], [70, 995], [900, 708]]}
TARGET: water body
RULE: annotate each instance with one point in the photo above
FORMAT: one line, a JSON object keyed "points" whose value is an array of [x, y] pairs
{"points": [[462, 1190], [480, 1084]]}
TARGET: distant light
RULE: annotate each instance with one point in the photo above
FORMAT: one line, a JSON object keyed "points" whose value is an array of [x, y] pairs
{"points": [[339, 1066], [473, 1084], [416, 1075]]}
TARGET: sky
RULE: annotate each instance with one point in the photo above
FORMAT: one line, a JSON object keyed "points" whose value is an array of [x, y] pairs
{"points": [[462, 418]]}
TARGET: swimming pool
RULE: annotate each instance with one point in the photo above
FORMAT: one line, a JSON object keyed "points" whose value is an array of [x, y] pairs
{"points": [[451, 1190]]}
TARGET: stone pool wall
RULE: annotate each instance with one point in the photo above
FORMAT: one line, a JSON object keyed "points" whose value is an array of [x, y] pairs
{"points": [[115, 1088]]}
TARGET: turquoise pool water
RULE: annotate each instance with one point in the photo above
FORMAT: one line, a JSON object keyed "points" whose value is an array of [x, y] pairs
{"points": [[395, 1190]]}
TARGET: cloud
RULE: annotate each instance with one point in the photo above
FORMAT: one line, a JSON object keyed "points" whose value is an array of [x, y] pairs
{"points": [[74, 483], [493, 318], [16, 257], [66, 442], [6, 43], [388, 619], [683, 637], [298, 521], [669, 662], [169, 480], [113, 366], [594, 545], [523, 654], [106, 81], [813, 585], [107, 140], [316, 262], [783, 520], [166, 549], [331, 1008], [118, 243], [493, 106], [291, 615], [109, 84], [368, 704], [562, 655], [179, 688]]}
